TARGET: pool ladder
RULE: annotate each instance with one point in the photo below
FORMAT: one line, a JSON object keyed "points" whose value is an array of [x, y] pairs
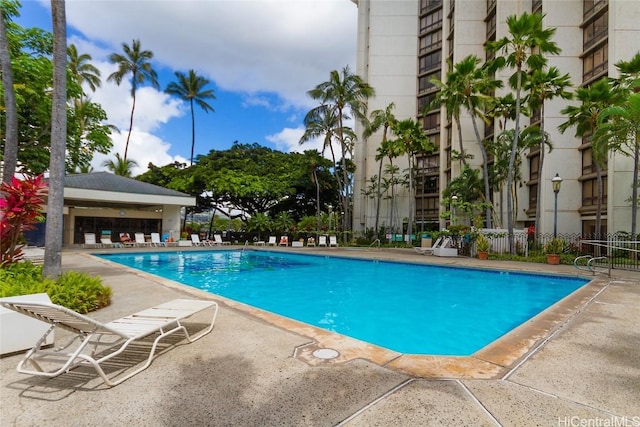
{"points": [[589, 265], [246, 244], [374, 242]]}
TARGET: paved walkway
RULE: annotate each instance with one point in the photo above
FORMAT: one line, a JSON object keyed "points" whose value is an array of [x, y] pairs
{"points": [[248, 372]]}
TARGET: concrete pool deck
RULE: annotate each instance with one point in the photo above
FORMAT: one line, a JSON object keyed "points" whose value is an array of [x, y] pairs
{"points": [[251, 371]]}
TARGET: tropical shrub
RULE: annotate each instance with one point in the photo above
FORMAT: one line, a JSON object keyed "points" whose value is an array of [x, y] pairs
{"points": [[554, 246], [77, 291], [21, 203]]}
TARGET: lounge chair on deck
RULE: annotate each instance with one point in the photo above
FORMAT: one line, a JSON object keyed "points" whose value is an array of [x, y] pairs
{"points": [[95, 343], [333, 241], [106, 242], [125, 240], [155, 240], [272, 241], [195, 239], [429, 250], [140, 240], [284, 241], [217, 240], [322, 241], [90, 240]]}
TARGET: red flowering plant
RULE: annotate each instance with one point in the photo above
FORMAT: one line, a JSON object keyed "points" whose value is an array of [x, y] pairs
{"points": [[21, 204]]}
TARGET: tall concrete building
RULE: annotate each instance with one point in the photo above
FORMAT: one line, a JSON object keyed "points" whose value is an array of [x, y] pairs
{"points": [[403, 44]]}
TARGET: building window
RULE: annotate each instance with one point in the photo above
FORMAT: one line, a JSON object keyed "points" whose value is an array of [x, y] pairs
{"points": [[590, 192], [424, 103], [429, 165], [595, 63], [588, 165], [431, 121], [430, 61], [536, 6], [595, 30], [491, 25], [428, 207], [431, 41], [424, 82], [427, 5], [534, 161], [592, 6], [533, 197], [431, 21]]}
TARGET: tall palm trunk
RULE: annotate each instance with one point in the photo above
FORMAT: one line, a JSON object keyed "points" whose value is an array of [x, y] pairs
{"points": [[315, 178], [11, 111], [55, 204], [378, 196], [634, 191], [410, 219], [536, 224], [133, 107], [463, 154], [485, 172], [512, 161], [193, 131]]}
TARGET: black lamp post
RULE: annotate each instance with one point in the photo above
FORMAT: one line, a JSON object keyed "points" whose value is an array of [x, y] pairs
{"points": [[556, 182]]}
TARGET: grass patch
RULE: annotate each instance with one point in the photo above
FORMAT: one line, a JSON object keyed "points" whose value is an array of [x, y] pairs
{"points": [[77, 291]]}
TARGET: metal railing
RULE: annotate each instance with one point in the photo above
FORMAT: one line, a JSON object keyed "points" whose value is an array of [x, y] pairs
{"points": [[611, 251]]}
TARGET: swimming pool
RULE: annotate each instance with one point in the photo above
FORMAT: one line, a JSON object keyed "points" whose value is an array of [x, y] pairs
{"points": [[408, 308]]}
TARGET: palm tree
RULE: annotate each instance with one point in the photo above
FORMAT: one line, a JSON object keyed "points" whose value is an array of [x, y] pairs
{"points": [[543, 86], [380, 119], [135, 62], [584, 117], [55, 204], [10, 158], [477, 85], [322, 122], [450, 95], [348, 93], [120, 166], [259, 222], [620, 124], [191, 88], [82, 70], [525, 33], [413, 140]]}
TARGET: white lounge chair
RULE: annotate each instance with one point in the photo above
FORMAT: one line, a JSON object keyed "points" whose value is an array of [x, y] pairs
{"points": [[272, 241], [322, 241], [333, 241], [284, 241], [90, 240], [107, 243], [95, 343], [446, 249], [217, 240], [195, 239], [429, 251], [155, 240], [140, 240]]}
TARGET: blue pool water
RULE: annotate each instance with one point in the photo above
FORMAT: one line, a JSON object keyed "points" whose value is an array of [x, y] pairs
{"points": [[409, 308]]}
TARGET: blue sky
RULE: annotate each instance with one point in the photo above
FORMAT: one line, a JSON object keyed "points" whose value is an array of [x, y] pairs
{"points": [[261, 57]]}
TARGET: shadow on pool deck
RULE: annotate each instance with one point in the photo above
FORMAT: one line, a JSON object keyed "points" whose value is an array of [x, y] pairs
{"points": [[584, 364]]}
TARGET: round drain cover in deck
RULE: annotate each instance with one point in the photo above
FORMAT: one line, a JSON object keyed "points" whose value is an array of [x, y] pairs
{"points": [[326, 353]]}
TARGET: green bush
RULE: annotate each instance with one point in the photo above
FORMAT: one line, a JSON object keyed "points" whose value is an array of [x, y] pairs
{"points": [[77, 291]]}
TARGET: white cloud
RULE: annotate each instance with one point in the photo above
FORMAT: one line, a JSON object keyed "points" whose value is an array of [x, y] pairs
{"points": [[143, 148], [253, 46]]}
